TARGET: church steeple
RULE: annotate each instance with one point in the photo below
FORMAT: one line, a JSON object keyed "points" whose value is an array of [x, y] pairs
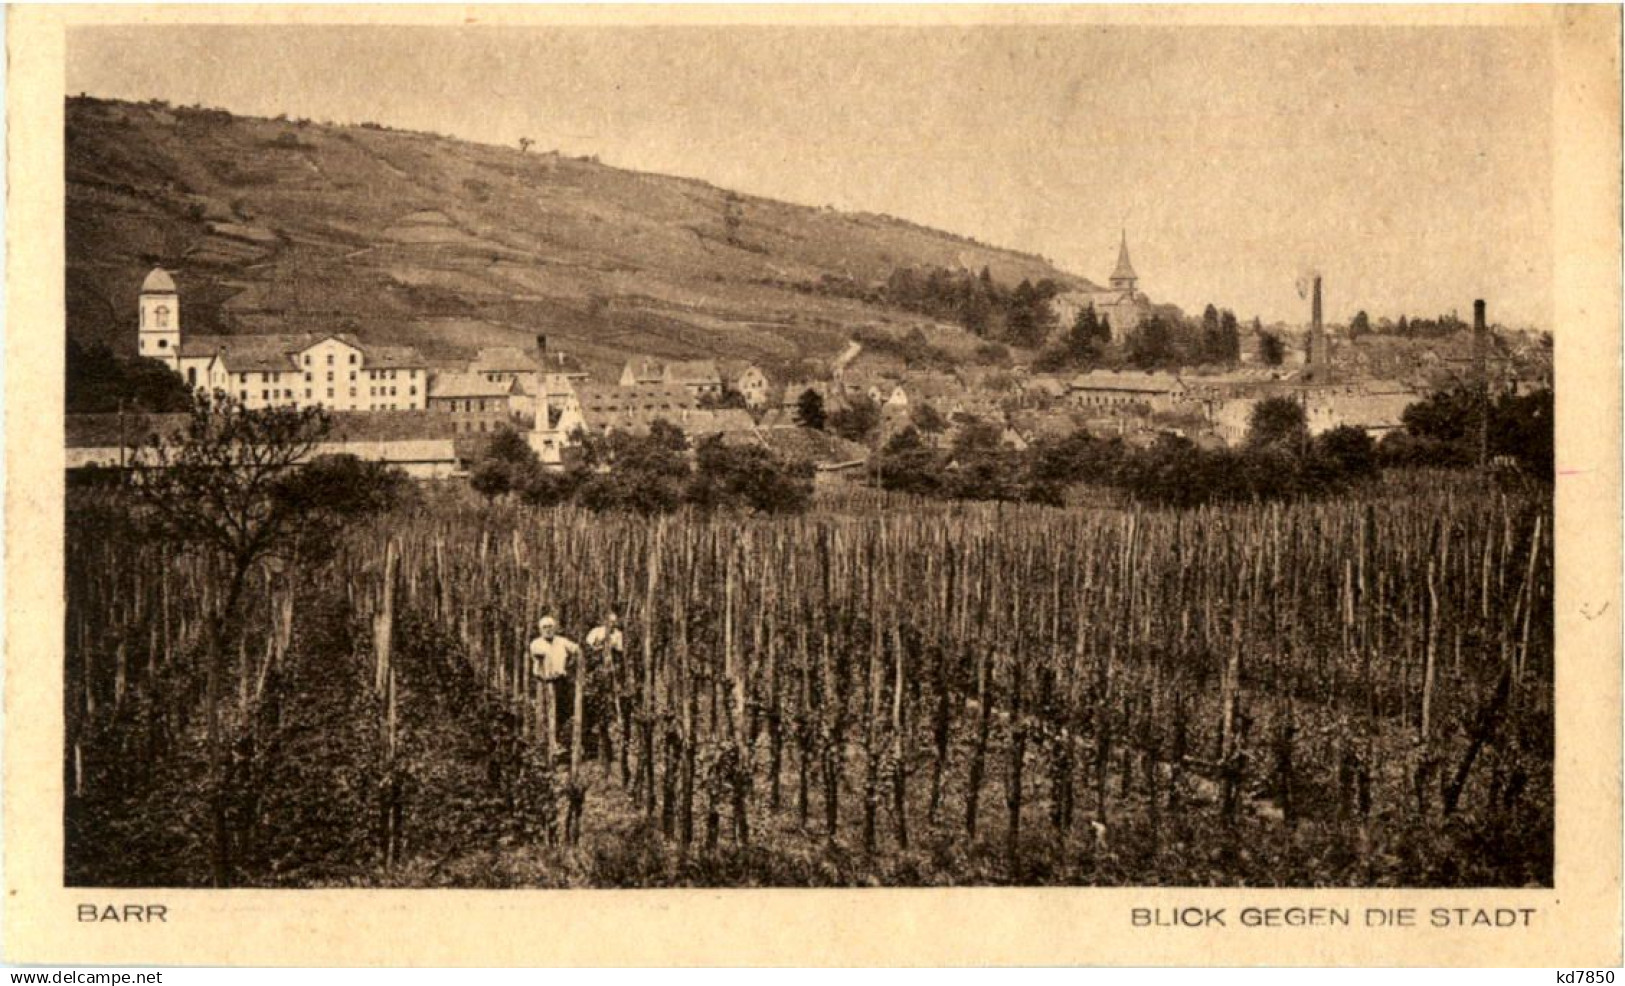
{"points": [[1123, 277], [158, 333]]}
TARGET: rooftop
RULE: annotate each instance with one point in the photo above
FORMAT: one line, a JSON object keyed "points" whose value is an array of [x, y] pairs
{"points": [[503, 359], [1124, 269], [388, 426], [113, 430], [463, 385], [693, 371], [1146, 383], [158, 282]]}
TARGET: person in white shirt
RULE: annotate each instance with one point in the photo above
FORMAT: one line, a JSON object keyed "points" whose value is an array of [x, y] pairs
{"points": [[551, 657], [606, 644], [606, 640]]}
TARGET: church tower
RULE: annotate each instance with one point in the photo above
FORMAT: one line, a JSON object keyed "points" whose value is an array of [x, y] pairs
{"points": [[1123, 278], [159, 335]]}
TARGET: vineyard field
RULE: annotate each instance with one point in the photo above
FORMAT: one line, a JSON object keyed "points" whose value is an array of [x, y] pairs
{"points": [[1350, 692]]}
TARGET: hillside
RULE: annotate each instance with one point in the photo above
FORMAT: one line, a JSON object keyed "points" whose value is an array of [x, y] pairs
{"points": [[276, 225]]}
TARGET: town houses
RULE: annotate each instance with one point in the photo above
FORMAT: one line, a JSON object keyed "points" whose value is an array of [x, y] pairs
{"points": [[428, 415]]}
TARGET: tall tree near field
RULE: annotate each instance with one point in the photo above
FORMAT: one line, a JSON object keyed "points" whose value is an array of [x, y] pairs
{"points": [[810, 410], [1152, 343], [1271, 349], [1211, 345], [1277, 421], [1229, 350], [1360, 325], [222, 488], [1089, 336]]}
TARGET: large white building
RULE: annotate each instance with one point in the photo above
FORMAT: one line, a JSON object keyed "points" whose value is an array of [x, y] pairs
{"points": [[333, 370]]}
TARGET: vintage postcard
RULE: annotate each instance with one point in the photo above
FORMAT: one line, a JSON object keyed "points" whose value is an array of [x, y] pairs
{"points": [[803, 485]]}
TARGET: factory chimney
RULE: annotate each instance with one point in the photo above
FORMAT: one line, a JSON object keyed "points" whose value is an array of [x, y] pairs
{"points": [[1315, 316], [1317, 333], [1481, 380]]}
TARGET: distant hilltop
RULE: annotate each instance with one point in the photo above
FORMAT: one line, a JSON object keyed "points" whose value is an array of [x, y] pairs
{"points": [[412, 239]]}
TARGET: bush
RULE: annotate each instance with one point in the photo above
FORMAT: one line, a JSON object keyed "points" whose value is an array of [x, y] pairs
{"points": [[508, 465], [491, 478], [1443, 429], [344, 485], [856, 421], [907, 465], [748, 476], [1522, 428], [1347, 452], [547, 489], [992, 353], [1278, 420], [99, 381]]}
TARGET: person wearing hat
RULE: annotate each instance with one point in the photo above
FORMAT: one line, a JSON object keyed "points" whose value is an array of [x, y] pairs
{"points": [[551, 657]]}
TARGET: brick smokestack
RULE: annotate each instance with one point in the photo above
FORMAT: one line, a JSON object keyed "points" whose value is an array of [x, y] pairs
{"points": [[1317, 332], [1315, 312], [1481, 381]]}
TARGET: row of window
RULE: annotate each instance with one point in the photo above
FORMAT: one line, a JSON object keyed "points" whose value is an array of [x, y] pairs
{"points": [[274, 376], [287, 395], [631, 408], [1114, 398], [450, 406], [330, 359]]}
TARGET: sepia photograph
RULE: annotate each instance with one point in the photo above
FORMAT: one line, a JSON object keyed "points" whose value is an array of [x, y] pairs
{"points": [[943, 452]]}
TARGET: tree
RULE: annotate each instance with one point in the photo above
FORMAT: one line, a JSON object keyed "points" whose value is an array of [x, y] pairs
{"points": [[857, 421], [1448, 419], [1088, 337], [646, 474], [727, 398], [1073, 459], [1030, 317], [1211, 344], [1271, 348], [1152, 343], [1277, 421], [907, 465], [344, 486], [508, 465], [491, 478], [1359, 325], [1521, 426], [1444, 427], [1346, 453], [748, 476], [976, 435], [222, 487], [1229, 344], [525, 144], [98, 381], [991, 353], [928, 419], [810, 410]]}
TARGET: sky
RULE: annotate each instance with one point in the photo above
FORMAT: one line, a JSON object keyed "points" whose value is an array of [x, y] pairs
{"points": [[1410, 166]]}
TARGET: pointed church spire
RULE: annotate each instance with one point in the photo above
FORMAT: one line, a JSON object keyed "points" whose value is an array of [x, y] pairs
{"points": [[1123, 277]]}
